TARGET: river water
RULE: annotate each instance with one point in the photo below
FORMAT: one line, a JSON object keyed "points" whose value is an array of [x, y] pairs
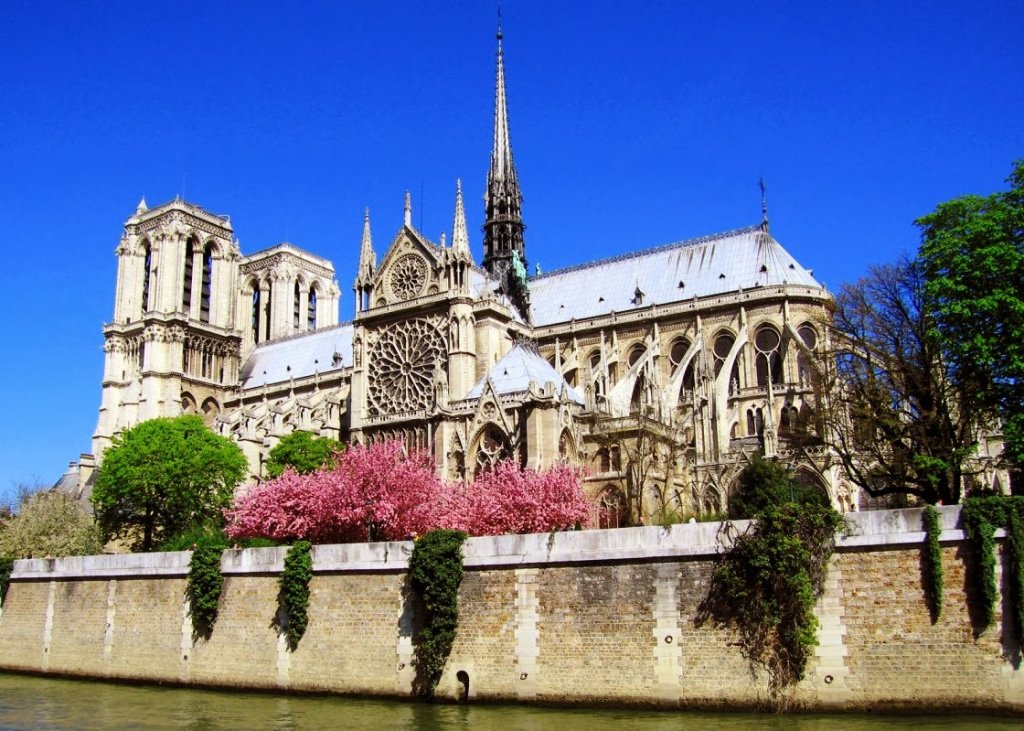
{"points": [[56, 704]]}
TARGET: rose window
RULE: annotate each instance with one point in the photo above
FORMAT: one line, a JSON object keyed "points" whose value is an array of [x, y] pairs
{"points": [[408, 276], [402, 367]]}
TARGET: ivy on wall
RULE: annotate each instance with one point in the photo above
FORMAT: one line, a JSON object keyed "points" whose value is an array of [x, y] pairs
{"points": [[6, 566], [931, 563], [435, 570], [981, 516], [205, 582], [764, 587], [293, 598]]}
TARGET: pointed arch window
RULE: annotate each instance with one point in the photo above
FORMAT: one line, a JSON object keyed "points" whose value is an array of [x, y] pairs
{"points": [[147, 267], [256, 312], [207, 284], [311, 309], [492, 448], [186, 280], [768, 344], [296, 303], [722, 347]]}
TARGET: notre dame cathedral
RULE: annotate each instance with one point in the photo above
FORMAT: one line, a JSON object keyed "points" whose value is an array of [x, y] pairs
{"points": [[661, 371]]}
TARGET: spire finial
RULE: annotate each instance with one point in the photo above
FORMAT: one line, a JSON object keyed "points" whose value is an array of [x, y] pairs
{"points": [[460, 234], [408, 209], [500, 34], [764, 206], [142, 207], [367, 256]]}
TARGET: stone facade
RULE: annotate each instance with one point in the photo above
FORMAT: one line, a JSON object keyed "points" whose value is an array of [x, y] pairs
{"points": [[577, 618], [661, 370]]}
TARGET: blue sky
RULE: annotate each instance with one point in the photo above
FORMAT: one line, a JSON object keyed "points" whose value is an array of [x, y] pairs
{"points": [[633, 124]]}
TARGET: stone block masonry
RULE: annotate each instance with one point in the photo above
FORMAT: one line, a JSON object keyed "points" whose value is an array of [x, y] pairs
{"points": [[589, 617]]}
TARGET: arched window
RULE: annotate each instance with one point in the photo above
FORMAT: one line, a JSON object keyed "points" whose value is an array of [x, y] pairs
{"points": [[186, 280], [255, 312], [207, 285], [296, 303], [595, 373], [677, 351], [768, 343], [265, 314], [712, 501], [147, 267], [635, 354], [611, 508], [803, 362], [493, 447], [311, 309], [722, 348]]}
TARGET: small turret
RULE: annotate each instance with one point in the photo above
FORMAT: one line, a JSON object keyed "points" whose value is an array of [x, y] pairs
{"points": [[367, 267]]}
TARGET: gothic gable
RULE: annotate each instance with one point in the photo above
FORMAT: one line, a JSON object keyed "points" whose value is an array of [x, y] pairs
{"points": [[410, 269]]}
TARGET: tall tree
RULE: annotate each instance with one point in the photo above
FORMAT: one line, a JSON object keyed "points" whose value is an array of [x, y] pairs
{"points": [[163, 476], [891, 412], [972, 251], [303, 452]]}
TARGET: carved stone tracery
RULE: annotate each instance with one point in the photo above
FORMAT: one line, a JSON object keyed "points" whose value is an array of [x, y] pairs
{"points": [[408, 277], [404, 361]]}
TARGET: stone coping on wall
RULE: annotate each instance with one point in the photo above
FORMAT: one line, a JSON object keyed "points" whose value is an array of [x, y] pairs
{"points": [[877, 528]]}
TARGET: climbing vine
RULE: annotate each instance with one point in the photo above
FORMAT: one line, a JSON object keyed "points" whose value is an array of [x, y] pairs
{"points": [[435, 570], [765, 586], [981, 516], [293, 598], [932, 562], [6, 566], [205, 582]]}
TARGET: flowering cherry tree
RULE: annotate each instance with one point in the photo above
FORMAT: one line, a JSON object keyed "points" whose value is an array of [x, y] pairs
{"points": [[377, 492], [511, 499], [372, 493]]}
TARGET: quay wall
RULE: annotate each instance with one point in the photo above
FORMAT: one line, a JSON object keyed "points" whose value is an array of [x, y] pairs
{"points": [[588, 617]]}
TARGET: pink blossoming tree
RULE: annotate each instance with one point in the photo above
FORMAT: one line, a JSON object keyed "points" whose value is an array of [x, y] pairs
{"points": [[511, 499], [378, 493], [372, 493]]}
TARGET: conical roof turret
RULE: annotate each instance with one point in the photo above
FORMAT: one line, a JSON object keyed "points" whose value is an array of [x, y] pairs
{"points": [[460, 234], [367, 256]]}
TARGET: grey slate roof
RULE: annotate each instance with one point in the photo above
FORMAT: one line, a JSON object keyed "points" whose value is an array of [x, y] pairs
{"points": [[304, 354], [701, 267], [520, 366]]}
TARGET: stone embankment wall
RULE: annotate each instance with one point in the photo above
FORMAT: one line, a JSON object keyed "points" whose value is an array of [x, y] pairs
{"points": [[582, 617]]}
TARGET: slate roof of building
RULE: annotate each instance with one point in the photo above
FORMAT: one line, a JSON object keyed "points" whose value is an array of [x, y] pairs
{"points": [[514, 372], [723, 263], [298, 356]]}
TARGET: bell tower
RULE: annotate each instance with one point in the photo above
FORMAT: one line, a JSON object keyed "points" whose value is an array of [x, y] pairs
{"points": [[173, 346]]}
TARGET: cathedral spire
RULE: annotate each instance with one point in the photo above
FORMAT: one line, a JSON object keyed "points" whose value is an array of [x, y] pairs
{"points": [[460, 234], [367, 256], [764, 206], [504, 245]]}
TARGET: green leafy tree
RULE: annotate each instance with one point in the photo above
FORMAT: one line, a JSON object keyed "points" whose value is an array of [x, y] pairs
{"points": [[764, 484], [52, 524], [303, 452], [972, 251], [163, 476]]}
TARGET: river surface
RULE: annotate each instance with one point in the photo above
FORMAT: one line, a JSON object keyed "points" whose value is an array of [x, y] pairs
{"points": [[46, 704]]}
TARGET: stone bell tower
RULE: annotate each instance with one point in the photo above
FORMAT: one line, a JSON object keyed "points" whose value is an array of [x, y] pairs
{"points": [[173, 345]]}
